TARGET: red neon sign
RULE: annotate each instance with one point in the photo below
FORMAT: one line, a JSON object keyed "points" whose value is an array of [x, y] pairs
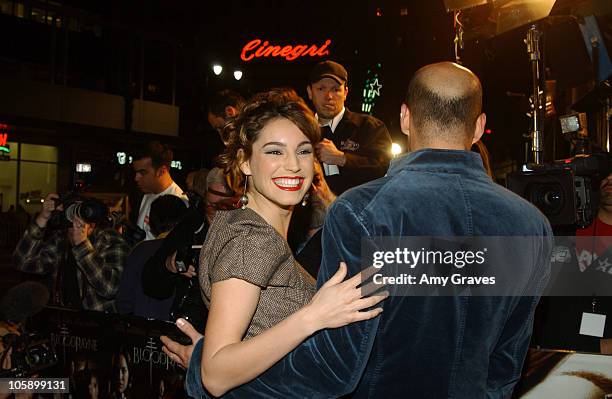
{"points": [[257, 49], [3, 134], [4, 129]]}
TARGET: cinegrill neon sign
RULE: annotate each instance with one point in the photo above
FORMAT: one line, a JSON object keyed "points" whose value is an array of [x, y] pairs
{"points": [[4, 138], [263, 49]]}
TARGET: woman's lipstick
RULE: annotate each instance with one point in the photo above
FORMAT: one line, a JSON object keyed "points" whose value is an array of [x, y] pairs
{"points": [[289, 183]]}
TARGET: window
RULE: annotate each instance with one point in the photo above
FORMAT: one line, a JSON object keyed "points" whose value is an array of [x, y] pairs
{"points": [[36, 172], [19, 10], [6, 7]]}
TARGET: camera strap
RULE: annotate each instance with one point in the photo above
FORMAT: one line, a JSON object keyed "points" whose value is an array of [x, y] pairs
{"points": [[68, 282]]}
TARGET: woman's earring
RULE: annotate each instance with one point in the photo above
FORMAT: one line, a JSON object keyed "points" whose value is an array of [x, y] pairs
{"points": [[244, 200], [305, 200]]}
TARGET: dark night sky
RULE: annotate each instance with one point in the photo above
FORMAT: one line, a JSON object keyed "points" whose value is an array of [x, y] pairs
{"points": [[217, 31], [401, 44]]}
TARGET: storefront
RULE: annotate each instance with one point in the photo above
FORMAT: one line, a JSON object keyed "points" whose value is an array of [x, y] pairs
{"points": [[27, 173]]}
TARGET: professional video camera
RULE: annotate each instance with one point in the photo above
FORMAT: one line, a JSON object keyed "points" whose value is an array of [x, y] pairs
{"points": [[565, 191], [30, 354]]}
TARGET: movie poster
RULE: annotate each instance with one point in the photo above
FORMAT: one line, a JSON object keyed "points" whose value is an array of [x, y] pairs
{"points": [[110, 356]]}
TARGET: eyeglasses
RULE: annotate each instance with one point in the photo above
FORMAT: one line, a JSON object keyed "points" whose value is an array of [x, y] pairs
{"points": [[224, 205]]}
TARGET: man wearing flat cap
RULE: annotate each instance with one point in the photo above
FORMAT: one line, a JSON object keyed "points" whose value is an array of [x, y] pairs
{"points": [[356, 148]]}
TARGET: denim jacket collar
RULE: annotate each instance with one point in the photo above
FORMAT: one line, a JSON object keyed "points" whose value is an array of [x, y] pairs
{"points": [[442, 161]]}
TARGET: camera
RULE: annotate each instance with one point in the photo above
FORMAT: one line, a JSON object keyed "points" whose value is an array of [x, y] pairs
{"points": [[186, 256], [565, 191], [31, 353], [90, 210], [196, 201]]}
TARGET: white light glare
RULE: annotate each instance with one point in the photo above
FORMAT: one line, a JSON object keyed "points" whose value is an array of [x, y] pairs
{"points": [[396, 149], [217, 69], [237, 74], [121, 158], [83, 167]]}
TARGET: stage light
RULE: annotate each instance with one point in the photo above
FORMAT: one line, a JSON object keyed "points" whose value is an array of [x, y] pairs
{"points": [[396, 149], [237, 74], [217, 69], [574, 124]]}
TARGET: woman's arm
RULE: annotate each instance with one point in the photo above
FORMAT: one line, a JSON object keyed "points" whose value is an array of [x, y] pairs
{"points": [[228, 362]]}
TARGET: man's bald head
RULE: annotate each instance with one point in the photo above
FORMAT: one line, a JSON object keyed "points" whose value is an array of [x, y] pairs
{"points": [[444, 100]]}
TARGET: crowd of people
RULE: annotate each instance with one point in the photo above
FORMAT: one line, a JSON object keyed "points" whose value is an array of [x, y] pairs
{"points": [[262, 253]]}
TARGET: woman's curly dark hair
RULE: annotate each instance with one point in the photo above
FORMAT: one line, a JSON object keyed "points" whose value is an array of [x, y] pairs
{"points": [[243, 130]]}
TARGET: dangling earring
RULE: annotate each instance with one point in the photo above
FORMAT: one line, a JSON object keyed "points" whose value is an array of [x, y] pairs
{"points": [[305, 200], [244, 200]]}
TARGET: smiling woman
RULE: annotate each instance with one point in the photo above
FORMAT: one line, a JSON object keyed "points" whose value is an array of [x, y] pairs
{"points": [[261, 302]]}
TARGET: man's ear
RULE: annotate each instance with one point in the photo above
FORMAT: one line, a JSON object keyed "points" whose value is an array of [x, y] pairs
{"points": [[231, 111], [405, 119], [159, 172], [481, 122], [345, 90], [243, 163], [309, 91]]}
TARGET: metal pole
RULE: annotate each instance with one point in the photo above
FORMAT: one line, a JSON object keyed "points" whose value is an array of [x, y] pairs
{"points": [[537, 108]]}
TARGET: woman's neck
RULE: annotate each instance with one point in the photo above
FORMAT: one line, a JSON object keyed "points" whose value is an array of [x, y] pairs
{"points": [[275, 215]]}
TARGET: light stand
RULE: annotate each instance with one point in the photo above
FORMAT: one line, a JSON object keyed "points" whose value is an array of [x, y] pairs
{"points": [[537, 97]]}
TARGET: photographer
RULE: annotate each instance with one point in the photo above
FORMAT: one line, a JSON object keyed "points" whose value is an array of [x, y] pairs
{"points": [[594, 252], [165, 213], [582, 285], [82, 254], [171, 271], [23, 353]]}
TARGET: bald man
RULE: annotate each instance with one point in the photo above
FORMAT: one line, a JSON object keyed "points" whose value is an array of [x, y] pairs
{"points": [[423, 346]]}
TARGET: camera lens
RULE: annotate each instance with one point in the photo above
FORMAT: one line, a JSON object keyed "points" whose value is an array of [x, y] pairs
{"points": [[72, 211], [548, 198], [552, 199]]}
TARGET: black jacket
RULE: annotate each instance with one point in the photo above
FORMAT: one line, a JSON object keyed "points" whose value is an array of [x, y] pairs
{"points": [[159, 283], [366, 144]]}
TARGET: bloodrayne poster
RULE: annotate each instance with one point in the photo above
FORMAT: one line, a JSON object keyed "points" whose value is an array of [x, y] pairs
{"points": [[110, 356]]}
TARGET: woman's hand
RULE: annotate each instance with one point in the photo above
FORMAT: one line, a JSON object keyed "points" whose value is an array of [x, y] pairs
{"points": [[339, 303], [177, 352]]}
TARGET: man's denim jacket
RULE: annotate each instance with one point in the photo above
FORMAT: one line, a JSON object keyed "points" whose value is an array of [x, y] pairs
{"points": [[420, 347]]}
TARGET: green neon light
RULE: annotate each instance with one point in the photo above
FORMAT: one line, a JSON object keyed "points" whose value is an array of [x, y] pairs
{"points": [[7, 150]]}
